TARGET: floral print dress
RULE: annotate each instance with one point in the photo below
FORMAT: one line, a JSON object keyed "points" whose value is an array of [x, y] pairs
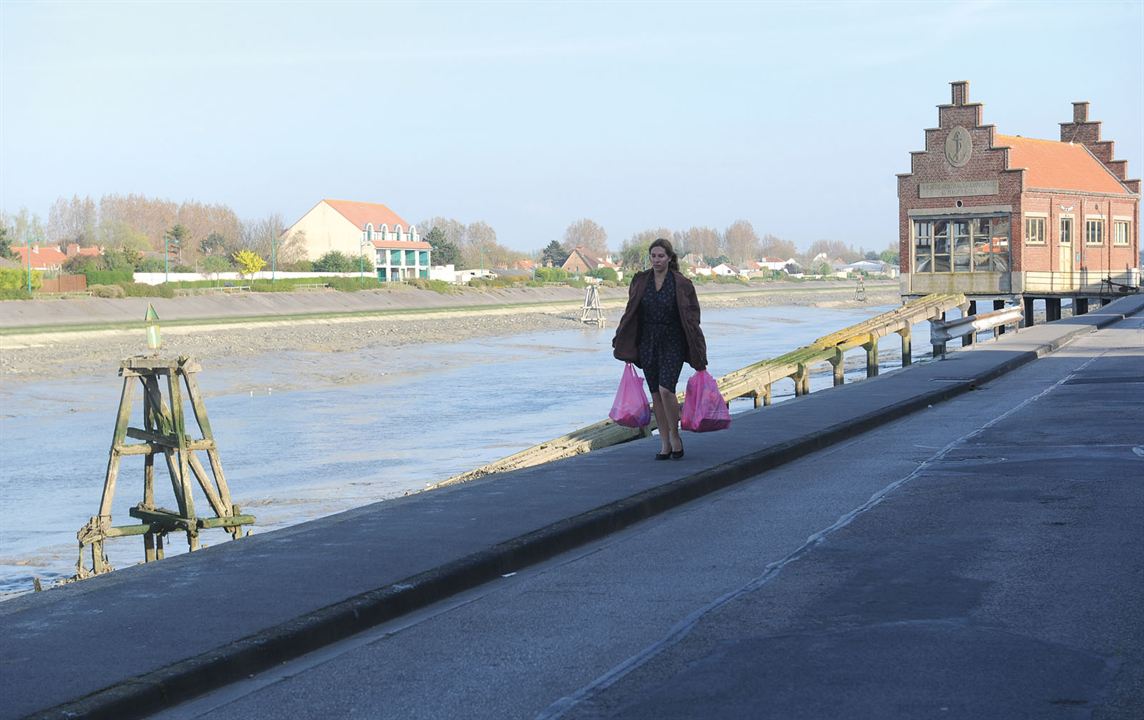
{"points": [[662, 344]]}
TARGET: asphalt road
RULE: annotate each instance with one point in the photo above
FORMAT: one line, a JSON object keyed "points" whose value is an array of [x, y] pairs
{"points": [[979, 559]]}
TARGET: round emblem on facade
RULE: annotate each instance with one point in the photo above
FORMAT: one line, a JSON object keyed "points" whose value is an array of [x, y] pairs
{"points": [[958, 147]]}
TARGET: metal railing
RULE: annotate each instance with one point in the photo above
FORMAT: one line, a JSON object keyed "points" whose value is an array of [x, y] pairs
{"points": [[1095, 282], [942, 331]]}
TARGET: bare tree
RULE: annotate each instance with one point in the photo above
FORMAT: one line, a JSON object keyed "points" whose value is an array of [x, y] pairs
{"points": [[25, 227], [265, 237], [741, 242], [833, 249], [480, 245], [454, 231], [704, 241], [73, 220], [633, 253], [587, 234], [151, 217], [776, 247]]}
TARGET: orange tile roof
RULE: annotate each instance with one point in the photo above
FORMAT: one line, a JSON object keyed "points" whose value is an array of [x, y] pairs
{"points": [[1057, 165], [42, 257], [362, 213], [401, 245]]}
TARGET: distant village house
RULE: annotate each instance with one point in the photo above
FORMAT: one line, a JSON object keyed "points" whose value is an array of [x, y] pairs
{"points": [[51, 259], [582, 261], [350, 227]]}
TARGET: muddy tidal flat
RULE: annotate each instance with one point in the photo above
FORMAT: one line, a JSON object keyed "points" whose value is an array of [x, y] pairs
{"points": [[47, 354]]}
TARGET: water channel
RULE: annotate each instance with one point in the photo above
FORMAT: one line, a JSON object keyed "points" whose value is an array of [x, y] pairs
{"points": [[307, 434]]}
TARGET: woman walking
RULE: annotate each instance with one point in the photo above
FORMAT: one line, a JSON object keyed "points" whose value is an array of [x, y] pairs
{"points": [[658, 331]]}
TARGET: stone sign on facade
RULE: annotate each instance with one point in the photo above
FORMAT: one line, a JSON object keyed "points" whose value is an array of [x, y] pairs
{"points": [[958, 147], [957, 189]]}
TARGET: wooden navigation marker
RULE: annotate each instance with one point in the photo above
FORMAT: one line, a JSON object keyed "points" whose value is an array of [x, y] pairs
{"points": [[591, 314], [154, 342], [164, 433]]}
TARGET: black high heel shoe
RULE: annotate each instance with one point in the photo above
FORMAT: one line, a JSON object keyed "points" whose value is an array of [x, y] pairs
{"points": [[677, 454], [663, 456]]}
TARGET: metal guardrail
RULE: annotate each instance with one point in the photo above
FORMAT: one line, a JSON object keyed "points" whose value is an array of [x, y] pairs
{"points": [[942, 331], [753, 381]]}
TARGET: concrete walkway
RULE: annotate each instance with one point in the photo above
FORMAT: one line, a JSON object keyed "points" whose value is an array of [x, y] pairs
{"points": [[145, 637]]}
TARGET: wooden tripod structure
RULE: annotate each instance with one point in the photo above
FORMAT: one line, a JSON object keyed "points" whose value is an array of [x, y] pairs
{"points": [[164, 433], [590, 313]]}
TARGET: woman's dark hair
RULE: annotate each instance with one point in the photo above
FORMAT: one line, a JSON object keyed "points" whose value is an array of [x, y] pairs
{"points": [[672, 258]]}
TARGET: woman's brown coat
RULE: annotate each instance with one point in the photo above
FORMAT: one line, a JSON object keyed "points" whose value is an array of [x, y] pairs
{"points": [[627, 340]]}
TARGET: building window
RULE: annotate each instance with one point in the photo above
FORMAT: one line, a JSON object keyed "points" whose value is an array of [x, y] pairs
{"points": [[961, 245], [1034, 231], [423, 258], [1066, 230], [411, 257], [1093, 232], [923, 246], [1119, 232], [394, 257], [941, 246], [990, 244]]}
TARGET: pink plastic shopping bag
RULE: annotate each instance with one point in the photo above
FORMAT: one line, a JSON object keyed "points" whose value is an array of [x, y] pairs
{"points": [[704, 408], [631, 408]]}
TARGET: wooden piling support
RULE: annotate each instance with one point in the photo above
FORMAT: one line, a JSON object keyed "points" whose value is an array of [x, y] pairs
{"points": [[871, 357]]}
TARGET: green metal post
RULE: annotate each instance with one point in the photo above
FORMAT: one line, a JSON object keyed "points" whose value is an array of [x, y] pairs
{"points": [[28, 245]]}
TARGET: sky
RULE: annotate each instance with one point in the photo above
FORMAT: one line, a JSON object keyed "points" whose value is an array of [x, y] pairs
{"points": [[531, 116]]}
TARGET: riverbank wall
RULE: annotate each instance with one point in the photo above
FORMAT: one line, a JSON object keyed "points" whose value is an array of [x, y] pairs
{"points": [[29, 315]]}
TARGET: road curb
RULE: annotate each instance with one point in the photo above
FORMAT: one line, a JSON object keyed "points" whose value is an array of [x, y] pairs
{"points": [[176, 683]]}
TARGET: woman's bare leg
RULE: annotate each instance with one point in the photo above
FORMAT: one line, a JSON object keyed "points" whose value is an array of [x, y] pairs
{"points": [[661, 422], [669, 424]]}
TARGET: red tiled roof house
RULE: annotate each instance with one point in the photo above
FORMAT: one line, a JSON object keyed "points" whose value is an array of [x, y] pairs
{"points": [[51, 258], [581, 261], [350, 227], [1009, 217]]}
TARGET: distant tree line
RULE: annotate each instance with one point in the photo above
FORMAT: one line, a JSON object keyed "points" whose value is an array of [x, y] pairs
{"points": [[141, 230]]}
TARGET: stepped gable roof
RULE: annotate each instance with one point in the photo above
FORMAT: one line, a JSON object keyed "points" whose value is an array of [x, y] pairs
{"points": [[1055, 165], [363, 213]]}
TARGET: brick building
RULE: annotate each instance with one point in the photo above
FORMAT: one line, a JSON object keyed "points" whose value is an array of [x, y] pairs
{"points": [[1005, 217]]}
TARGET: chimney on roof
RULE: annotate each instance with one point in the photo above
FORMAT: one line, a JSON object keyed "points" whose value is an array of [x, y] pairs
{"points": [[1080, 112], [960, 91], [73, 249]]}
